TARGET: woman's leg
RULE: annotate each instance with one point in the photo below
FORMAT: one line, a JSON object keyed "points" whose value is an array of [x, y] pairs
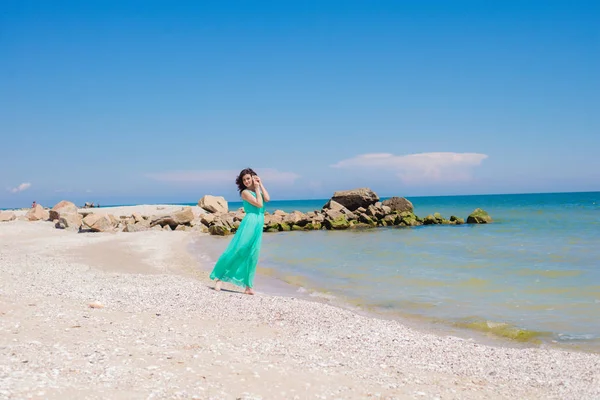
{"points": [[218, 285], [249, 290]]}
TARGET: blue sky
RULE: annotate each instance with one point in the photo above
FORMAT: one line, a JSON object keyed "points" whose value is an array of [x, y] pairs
{"points": [[155, 101]]}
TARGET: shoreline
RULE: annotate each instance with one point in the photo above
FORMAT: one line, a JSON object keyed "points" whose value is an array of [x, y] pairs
{"points": [[273, 285], [161, 322], [487, 332]]}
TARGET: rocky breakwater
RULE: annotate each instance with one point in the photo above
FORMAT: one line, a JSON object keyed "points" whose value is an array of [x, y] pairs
{"points": [[351, 209]]}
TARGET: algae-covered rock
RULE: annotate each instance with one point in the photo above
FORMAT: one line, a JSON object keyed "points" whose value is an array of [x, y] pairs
{"points": [[338, 223], [409, 219], [218, 230], [456, 220], [391, 219], [479, 216], [313, 226], [429, 220]]}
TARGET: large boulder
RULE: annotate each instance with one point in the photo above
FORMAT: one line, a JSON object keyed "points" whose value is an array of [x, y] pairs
{"points": [[37, 213], [479, 216], [6, 216], [399, 204], [353, 199], [183, 217], [99, 223], [67, 214], [214, 204]]}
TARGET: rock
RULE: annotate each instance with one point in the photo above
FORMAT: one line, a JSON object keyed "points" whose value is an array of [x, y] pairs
{"points": [[399, 204], [200, 228], [409, 219], [228, 220], [313, 226], [6, 216], [214, 204], [67, 214], [456, 220], [239, 215], [280, 212], [391, 219], [139, 227], [479, 216], [219, 230], [429, 220], [207, 219], [99, 223], [375, 212], [37, 213], [367, 220], [296, 218], [338, 223], [137, 217], [333, 205], [355, 198], [183, 217]]}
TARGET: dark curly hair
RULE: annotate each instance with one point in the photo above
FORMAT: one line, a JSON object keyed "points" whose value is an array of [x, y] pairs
{"points": [[239, 181]]}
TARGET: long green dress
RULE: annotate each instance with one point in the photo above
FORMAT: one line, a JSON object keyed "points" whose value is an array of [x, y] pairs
{"points": [[238, 262]]}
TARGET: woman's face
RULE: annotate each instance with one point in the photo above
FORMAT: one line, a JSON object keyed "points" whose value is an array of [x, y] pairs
{"points": [[248, 181]]}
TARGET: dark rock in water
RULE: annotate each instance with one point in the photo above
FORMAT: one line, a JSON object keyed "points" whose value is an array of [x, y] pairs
{"points": [[479, 216], [338, 223], [456, 220], [429, 220], [399, 204], [354, 199]]}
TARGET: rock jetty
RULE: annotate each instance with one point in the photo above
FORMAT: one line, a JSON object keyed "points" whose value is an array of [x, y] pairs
{"points": [[349, 209]]}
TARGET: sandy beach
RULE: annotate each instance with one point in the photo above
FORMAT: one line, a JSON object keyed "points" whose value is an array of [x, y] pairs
{"points": [[160, 331]]}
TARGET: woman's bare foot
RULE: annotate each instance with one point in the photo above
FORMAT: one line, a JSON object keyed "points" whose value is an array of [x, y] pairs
{"points": [[218, 285], [249, 290]]}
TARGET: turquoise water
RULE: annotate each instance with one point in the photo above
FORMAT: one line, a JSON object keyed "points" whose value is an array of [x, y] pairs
{"points": [[533, 275]]}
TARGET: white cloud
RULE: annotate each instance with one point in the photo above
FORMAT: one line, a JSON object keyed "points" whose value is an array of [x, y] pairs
{"points": [[22, 187], [419, 168], [269, 175]]}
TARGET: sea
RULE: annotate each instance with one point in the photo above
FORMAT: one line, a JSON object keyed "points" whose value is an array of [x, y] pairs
{"points": [[530, 277]]}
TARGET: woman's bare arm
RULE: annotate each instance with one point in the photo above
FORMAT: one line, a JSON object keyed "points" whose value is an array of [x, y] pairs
{"points": [[255, 201]]}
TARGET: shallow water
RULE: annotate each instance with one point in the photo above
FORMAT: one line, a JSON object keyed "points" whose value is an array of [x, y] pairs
{"points": [[533, 275]]}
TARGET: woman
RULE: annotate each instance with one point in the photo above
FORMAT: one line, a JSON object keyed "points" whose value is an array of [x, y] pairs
{"points": [[238, 262]]}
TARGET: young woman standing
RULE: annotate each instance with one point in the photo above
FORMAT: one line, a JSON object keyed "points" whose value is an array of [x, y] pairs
{"points": [[238, 262]]}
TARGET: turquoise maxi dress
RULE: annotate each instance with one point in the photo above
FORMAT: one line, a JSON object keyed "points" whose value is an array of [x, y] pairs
{"points": [[238, 262]]}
